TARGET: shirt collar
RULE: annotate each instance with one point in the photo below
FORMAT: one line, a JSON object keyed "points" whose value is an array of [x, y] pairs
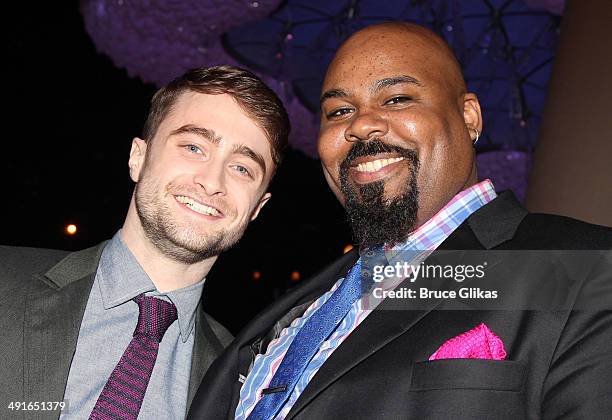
{"points": [[121, 278], [186, 301], [433, 232]]}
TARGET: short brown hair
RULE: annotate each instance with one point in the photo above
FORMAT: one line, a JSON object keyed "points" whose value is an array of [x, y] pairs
{"points": [[257, 100]]}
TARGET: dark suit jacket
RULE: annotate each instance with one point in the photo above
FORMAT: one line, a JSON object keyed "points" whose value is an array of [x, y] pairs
{"points": [[559, 362], [43, 294]]}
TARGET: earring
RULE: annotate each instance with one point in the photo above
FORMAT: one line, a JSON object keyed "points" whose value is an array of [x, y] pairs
{"points": [[477, 135]]}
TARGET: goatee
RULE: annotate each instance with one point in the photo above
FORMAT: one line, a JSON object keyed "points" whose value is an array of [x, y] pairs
{"points": [[374, 219]]}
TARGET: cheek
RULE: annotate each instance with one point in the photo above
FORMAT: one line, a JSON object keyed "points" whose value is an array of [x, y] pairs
{"points": [[423, 130], [332, 148], [243, 201], [150, 177], [445, 158], [169, 167], [418, 127]]}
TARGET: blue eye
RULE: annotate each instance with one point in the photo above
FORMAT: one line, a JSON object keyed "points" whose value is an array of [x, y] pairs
{"points": [[242, 170], [193, 149]]}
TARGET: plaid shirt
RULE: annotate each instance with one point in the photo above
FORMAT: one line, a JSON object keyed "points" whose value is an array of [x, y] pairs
{"points": [[426, 238]]}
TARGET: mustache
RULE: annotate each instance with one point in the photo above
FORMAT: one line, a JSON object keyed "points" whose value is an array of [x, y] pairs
{"points": [[374, 218], [373, 147]]}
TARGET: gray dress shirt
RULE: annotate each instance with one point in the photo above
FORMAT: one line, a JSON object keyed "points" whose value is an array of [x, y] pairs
{"points": [[106, 330]]}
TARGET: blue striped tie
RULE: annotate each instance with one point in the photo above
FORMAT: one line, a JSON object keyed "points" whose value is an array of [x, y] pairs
{"points": [[316, 330]]}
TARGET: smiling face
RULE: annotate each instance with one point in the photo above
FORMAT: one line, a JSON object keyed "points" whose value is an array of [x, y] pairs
{"points": [[396, 130], [201, 179]]}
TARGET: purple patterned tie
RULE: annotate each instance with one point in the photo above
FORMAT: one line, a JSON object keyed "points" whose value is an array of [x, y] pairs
{"points": [[125, 389]]}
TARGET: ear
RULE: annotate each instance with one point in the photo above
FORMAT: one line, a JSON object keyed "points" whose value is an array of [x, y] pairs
{"points": [[262, 201], [471, 113], [137, 158]]}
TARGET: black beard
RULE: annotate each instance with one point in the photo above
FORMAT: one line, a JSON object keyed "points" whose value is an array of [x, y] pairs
{"points": [[374, 219]]}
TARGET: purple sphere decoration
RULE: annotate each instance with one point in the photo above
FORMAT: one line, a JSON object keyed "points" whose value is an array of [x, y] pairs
{"points": [[158, 40]]}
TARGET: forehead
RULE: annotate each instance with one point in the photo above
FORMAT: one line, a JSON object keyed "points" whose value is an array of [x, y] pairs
{"points": [[372, 56], [220, 113]]}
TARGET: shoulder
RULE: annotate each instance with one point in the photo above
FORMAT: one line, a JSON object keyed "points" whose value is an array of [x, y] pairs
{"points": [[20, 263], [547, 231], [21, 253], [19, 267]]}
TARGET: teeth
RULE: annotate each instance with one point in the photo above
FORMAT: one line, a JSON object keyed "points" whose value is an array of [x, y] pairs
{"points": [[197, 207], [376, 165]]}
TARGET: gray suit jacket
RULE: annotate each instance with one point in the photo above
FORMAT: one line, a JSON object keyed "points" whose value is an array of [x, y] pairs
{"points": [[43, 294]]}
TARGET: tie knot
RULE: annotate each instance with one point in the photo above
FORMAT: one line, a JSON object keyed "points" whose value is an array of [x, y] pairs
{"points": [[155, 316], [372, 259]]}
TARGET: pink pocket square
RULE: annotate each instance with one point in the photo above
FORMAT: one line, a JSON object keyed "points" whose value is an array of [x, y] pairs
{"points": [[477, 343]]}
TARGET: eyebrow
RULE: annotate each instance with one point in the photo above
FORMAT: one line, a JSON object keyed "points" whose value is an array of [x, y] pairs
{"points": [[205, 133], [333, 93], [243, 150], [392, 81], [211, 136], [378, 85]]}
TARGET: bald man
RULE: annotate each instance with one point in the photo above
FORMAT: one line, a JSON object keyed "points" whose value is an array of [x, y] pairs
{"points": [[530, 338]]}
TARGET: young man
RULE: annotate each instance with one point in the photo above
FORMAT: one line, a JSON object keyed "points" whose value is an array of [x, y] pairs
{"points": [[396, 145], [117, 330]]}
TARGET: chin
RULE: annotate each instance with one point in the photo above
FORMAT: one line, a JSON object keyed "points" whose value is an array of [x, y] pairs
{"points": [[195, 239]]}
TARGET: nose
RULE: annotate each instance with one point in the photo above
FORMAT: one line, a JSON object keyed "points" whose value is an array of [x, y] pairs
{"points": [[366, 126], [211, 178]]}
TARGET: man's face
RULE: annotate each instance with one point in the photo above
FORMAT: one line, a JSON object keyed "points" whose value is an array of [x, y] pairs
{"points": [[394, 140], [202, 178]]}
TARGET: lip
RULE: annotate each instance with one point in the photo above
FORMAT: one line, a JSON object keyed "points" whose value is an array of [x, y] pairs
{"points": [[369, 158], [190, 210], [382, 173]]}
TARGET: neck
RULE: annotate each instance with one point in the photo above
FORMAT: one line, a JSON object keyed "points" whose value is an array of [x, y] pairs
{"points": [[166, 273]]}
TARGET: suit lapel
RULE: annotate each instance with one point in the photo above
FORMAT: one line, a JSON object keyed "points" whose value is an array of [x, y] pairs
{"points": [[307, 292], [383, 326], [206, 347], [53, 315], [197, 362], [267, 319]]}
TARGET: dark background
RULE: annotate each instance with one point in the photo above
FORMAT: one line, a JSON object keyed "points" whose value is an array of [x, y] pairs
{"points": [[69, 118]]}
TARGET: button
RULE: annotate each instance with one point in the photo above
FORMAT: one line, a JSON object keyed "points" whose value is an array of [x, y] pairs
{"points": [[369, 253], [365, 273]]}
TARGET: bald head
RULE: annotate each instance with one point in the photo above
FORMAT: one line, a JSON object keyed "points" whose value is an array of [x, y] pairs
{"points": [[403, 38]]}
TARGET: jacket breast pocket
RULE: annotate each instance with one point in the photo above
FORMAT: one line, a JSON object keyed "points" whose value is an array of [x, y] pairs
{"points": [[477, 374]]}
